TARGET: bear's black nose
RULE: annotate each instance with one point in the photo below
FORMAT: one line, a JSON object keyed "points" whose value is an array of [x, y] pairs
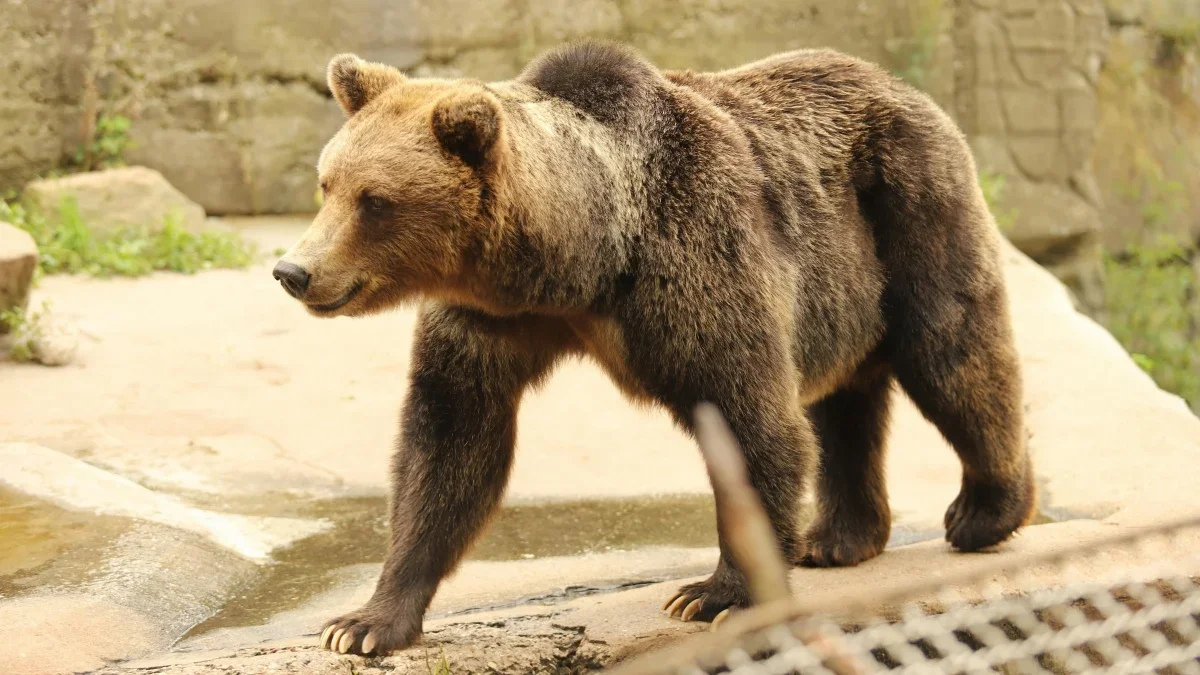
{"points": [[293, 278]]}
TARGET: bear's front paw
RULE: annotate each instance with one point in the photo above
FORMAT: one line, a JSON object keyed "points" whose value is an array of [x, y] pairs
{"points": [[706, 600], [372, 630]]}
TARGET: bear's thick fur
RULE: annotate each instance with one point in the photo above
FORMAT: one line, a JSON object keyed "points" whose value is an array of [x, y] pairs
{"points": [[782, 239]]}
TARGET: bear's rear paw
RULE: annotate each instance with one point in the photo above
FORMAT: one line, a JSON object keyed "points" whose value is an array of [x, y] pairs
{"points": [[986, 515], [707, 600], [840, 542], [370, 630]]}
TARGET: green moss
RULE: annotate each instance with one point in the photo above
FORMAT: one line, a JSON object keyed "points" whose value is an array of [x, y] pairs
{"points": [[993, 185], [912, 55], [66, 245], [1153, 309]]}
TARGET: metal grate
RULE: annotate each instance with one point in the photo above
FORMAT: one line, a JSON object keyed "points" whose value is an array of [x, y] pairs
{"points": [[1035, 617], [1119, 626]]}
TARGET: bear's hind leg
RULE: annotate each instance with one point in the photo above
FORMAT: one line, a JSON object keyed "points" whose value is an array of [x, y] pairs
{"points": [[949, 337], [950, 344], [853, 520], [968, 384]]}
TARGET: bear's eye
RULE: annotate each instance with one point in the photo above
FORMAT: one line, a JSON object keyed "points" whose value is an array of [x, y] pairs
{"points": [[375, 203]]}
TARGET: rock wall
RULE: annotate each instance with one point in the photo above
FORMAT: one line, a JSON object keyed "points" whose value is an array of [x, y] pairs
{"points": [[229, 102], [42, 62], [1149, 91], [1026, 97]]}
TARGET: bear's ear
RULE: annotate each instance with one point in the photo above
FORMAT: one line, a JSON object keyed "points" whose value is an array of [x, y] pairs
{"points": [[467, 124], [355, 82]]}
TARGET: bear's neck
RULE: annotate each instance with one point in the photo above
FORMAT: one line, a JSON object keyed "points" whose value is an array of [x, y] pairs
{"points": [[562, 225]]}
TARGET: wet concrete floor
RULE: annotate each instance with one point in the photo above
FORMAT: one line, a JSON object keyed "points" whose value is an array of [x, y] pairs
{"points": [[520, 531], [35, 535], [42, 545]]}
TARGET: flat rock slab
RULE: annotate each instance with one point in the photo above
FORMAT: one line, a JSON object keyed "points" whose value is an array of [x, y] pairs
{"points": [[205, 387], [115, 198], [58, 477]]}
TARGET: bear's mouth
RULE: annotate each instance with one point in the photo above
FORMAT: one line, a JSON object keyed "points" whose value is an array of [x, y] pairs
{"points": [[340, 302]]}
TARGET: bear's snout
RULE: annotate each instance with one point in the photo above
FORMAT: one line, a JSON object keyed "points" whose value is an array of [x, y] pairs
{"points": [[293, 278]]}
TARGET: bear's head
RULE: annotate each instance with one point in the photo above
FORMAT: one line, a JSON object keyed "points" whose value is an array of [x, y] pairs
{"points": [[403, 190]]}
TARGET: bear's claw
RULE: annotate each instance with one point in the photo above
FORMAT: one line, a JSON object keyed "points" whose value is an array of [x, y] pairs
{"points": [[702, 601], [371, 632], [720, 618]]}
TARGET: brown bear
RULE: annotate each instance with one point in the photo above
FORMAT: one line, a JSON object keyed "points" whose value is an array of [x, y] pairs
{"points": [[782, 239]]}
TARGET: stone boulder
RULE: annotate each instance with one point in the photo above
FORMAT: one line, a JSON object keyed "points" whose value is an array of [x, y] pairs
{"points": [[114, 198], [18, 258], [1058, 228], [1049, 222]]}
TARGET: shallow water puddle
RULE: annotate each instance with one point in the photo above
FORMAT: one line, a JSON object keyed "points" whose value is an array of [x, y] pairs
{"points": [[521, 531], [35, 533], [574, 528], [39, 541]]}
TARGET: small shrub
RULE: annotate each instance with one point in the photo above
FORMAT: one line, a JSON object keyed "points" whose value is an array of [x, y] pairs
{"points": [[67, 246], [23, 331], [106, 149], [1153, 297]]}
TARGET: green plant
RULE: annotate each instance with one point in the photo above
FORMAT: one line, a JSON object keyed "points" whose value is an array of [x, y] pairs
{"points": [[912, 55], [24, 331], [1153, 298], [993, 185], [439, 667], [106, 149], [66, 245]]}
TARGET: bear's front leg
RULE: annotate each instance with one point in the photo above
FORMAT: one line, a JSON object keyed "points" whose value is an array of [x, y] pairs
{"points": [[743, 367], [779, 449], [459, 427]]}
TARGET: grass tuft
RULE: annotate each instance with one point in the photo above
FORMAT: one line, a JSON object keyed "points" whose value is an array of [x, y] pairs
{"points": [[66, 245], [1153, 309]]}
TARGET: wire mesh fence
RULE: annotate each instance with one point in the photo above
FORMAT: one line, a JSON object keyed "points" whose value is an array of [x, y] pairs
{"points": [[1128, 604], [1138, 620]]}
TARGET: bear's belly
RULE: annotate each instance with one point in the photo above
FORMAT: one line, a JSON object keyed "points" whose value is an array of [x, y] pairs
{"points": [[839, 322], [604, 341]]}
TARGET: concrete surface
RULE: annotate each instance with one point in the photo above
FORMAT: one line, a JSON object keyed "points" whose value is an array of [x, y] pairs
{"points": [[218, 392]]}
